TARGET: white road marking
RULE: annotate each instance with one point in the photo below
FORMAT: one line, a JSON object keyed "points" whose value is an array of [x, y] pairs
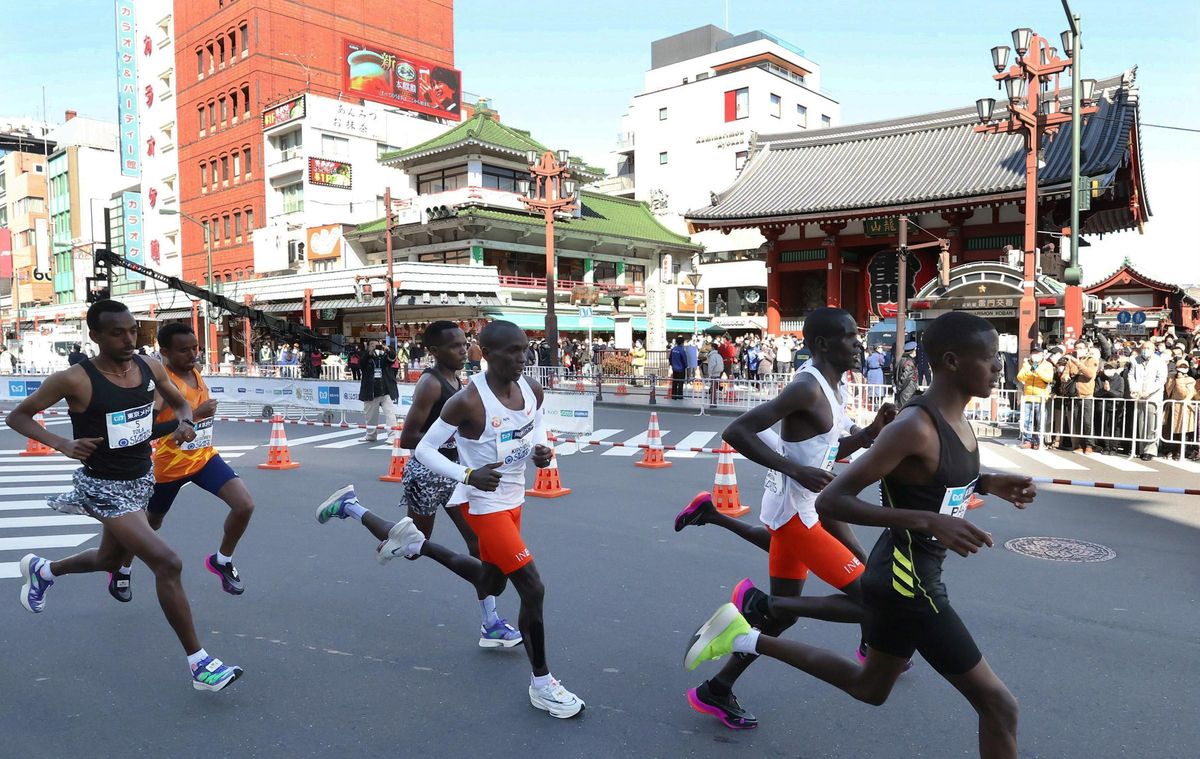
{"points": [[698, 439], [46, 490], [57, 520], [991, 458], [1048, 459], [570, 449], [1187, 466], [293, 442], [43, 477], [631, 445], [1119, 462], [45, 541]]}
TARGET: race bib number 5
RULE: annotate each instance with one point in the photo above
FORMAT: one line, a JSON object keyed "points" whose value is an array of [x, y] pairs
{"points": [[129, 427]]}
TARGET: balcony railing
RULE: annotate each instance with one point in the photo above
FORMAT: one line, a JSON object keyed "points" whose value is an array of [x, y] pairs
{"points": [[565, 285]]}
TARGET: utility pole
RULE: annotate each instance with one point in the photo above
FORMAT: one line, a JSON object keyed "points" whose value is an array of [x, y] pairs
{"points": [[901, 296], [387, 210], [1073, 297]]}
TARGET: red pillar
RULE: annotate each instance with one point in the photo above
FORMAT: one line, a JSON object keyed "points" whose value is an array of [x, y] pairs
{"points": [[246, 332], [308, 308], [833, 264], [774, 281], [1028, 320]]}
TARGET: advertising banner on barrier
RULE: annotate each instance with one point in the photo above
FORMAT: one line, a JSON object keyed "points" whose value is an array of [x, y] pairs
{"points": [[569, 412]]}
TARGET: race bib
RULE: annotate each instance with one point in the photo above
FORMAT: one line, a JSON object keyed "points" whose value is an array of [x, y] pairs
{"points": [[954, 503], [831, 456], [203, 439], [129, 427], [514, 445]]}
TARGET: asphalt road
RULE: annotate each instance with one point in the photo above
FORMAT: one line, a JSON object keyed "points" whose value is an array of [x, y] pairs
{"points": [[346, 658]]}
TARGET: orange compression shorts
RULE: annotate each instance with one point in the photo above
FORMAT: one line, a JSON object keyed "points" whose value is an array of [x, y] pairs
{"points": [[500, 540], [795, 549]]}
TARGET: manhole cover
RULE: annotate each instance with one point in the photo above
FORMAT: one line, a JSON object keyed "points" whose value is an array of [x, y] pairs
{"points": [[1061, 549]]}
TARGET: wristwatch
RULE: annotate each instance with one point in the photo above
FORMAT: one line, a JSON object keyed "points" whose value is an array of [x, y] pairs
{"points": [[189, 423]]}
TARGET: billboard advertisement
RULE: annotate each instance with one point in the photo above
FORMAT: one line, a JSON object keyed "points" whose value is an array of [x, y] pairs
{"points": [[283, 113], [127, 103], [401, 80], [324, 243], [329, 173]]}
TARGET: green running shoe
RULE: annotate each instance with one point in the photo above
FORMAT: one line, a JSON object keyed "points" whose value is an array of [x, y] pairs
{"points": [[715, 637], [334, 507]]}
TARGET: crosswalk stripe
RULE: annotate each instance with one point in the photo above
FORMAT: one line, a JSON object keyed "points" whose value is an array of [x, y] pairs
{"points": [[350, 442], [1185, 465], [55, 467], [37, 503], [238, 447], [631, 445], [991, 458], [1119, 462], [48, 423], [293, 442], [42, 477], [15, 452], [569, 449], [27, 542], [46, 490], [10, 570], [698, 439], [56, 520], [1046, 458], [233, 455]]}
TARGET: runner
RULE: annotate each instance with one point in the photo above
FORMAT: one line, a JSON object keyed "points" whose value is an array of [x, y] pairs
{"points": [[499, 425], [196, 461], [927, 462], [111, 399], [424, 491], [799, 463]]}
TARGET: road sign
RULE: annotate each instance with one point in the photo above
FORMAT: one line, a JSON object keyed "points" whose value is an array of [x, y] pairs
{"points": [[1124, 317], [1131, 329], [585, 315], [1139, 317]]}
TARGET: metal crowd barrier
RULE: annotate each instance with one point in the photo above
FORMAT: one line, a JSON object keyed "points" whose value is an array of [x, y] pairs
{"points": [[1130, 425]]}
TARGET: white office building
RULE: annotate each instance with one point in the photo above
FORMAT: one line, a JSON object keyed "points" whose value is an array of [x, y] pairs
{"points": [[689, 132]]}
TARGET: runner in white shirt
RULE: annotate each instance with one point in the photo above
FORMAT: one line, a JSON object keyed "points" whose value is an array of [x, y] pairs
{"points": [[815, 433]]}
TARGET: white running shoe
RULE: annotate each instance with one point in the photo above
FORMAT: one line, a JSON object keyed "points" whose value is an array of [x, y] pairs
{"points": [[556, 699], [404, 539]]}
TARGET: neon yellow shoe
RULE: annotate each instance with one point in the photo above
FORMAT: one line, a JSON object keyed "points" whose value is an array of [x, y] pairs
{"points": [[715, 637]]}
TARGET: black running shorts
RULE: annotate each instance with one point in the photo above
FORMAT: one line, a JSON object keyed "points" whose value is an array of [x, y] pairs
{"points": [[901, 627]]}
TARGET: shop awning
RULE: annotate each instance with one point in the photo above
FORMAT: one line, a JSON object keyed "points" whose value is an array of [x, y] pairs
{"points": [[566, 322], [674, 324]]}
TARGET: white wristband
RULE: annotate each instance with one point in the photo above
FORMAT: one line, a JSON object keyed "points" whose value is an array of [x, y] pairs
{"points": [[428, 453]]}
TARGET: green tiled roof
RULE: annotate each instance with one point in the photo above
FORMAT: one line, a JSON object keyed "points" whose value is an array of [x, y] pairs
{"points": [[602, 215]]}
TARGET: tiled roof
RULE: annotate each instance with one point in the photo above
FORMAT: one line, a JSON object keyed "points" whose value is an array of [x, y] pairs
{"points": [[602, 215], [919, 159]]}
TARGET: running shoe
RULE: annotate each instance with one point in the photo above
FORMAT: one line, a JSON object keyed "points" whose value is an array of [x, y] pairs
{"points": [[556, 699], [715, 637], [751, 603], [404, 539], [231, 583], [499, 635], [118, 587], [696, 512], [334, 505], [726, 709], [33, 590], [213, 675], [861, 653]]}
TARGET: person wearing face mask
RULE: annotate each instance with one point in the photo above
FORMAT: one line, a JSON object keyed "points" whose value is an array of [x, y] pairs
{"points": [[1110, 408], [1147, 380], [874, 367], [377, 390], [1086, 365], [1036, 377], [1181, 416]]}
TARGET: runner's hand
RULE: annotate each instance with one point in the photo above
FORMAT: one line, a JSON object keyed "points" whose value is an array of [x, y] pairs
{"points": [[957, 534], [885, 415], [82, 448], [1014, 488], [812, 478], [184, 433], [485, 478], [542, 456], [206, 409]]}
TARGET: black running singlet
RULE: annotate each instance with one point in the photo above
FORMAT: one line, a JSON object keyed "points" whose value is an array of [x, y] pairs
{"points": [[450, 449], [124, 417], [910, 562]]}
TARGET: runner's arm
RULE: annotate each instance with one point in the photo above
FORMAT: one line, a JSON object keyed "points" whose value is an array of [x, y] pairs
{"points": [[56, 387], [742, 433], [542, 452], [864, 437], [443, 428], [425, 395], [166, 388]]}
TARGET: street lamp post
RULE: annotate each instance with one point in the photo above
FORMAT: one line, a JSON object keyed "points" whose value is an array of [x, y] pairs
{"points": [[1033, 114], [1072, 42], [694, 280], [211, 341], [551, 191]]}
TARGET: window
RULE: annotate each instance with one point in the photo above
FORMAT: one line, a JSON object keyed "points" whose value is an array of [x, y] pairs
{"points": [[662, 158], [662, 114], [737, 104], [249, 220], [224, 107], [226, 225], [237, 224], [702, 76], [210, 226], [501, 179], [237, 165], [801, 116], [203, 177], [203, 119], [440, 181], [232, 47], [233, 98], [212, 114], [212, 59], [776, 106], [244, 33], [212, 165], [382, 149], [200, 63], [826, 121], [289, 144], [225, 169], [293, 197], [635, 275], [604, 272], [245, 100], [739, 159], [221, 51], [334, 147], [246, 158]]}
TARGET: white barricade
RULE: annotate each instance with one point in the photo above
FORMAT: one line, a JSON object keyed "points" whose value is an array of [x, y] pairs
{"points": [[1128, 425], [1180, 429]]}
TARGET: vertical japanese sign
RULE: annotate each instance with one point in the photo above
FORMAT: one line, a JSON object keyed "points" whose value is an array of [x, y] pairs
{"points": [[127, 108], [131, 218]]}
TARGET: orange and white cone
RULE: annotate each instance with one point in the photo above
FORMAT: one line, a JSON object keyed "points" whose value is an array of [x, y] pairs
{"points": [[398, 459], [35, 447], [975, 502], [547, 483], [652, 458], [725, 488], [279, 455], [579, 388], [621, 388]]}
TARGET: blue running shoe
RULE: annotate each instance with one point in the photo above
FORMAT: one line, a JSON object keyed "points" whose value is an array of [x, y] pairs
{"points": [[33, 590], [213, 675], [499, 635], [334, 507]]}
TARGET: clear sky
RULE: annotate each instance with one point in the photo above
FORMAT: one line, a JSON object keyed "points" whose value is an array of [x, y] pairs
{"points": [[567, 71]]}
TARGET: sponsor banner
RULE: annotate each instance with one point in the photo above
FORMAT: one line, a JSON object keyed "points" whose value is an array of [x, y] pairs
{"points": [[401, 80], [127, 95], [569, 412], [314, 394], [323, 171], [283, 113], [19, 389]]}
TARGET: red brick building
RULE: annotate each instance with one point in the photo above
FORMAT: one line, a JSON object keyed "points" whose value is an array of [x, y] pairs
{"points": [[236, 57]]}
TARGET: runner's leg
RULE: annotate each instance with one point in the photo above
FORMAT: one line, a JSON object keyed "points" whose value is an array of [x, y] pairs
{"points": [[455, 512], [870, 683], [781, 588], [751, 533], [528, 584], [241, 507], [997, 709]]}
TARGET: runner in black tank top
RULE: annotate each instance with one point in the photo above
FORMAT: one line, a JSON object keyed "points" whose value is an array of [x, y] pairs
{"points": [[425, 491], [927, 461], [111, 402]]}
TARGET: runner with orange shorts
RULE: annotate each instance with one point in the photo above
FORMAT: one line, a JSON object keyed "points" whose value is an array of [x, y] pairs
{"points": [[815, 433]]}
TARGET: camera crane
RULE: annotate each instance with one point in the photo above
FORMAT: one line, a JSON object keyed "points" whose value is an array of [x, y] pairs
{"points": [[100, 285]]}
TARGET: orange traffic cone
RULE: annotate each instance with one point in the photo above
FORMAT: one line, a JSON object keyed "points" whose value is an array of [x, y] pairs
{"points": [[579, 386], [279, 456], [621, 388], [547, 483], [34, 447], [975, 502], [653, 456], [725, 488], [399, 459]]}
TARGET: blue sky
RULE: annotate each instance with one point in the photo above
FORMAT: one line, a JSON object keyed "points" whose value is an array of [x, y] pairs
{"points": [[568, 70]]}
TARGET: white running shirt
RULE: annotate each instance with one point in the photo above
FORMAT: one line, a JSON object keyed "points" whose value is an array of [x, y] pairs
{"points": [[783, 497], [507, 437]]}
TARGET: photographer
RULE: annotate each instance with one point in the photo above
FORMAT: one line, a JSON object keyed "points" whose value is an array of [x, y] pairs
{"points": [[377, 389], [1086, 365], [1110, 407], [1064, 398]]}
